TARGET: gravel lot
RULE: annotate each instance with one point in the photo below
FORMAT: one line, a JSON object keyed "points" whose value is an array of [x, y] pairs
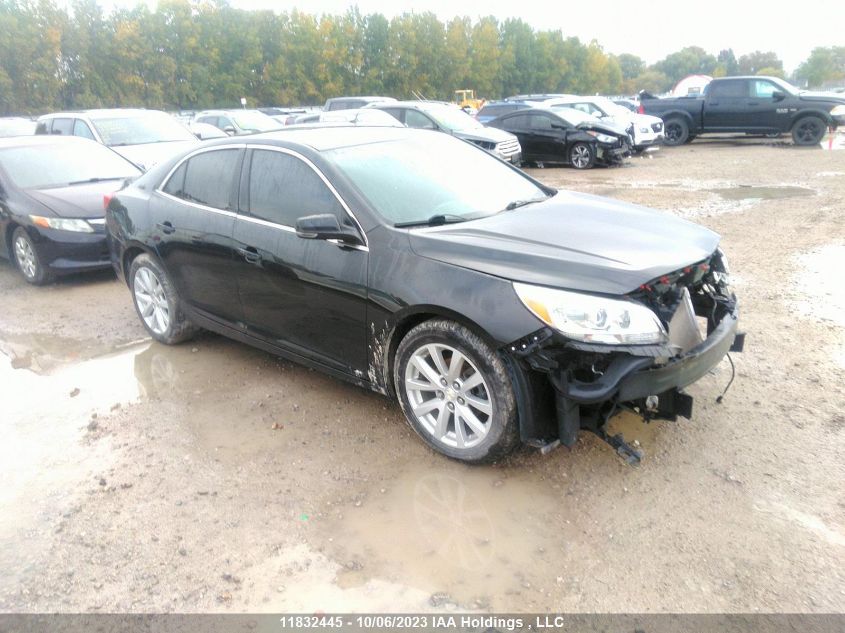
{"points": [[215, 477]]}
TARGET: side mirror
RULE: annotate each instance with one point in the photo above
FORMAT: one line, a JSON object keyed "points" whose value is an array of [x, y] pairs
{"points": [[778, 95], [324, 226], [230, 130]]}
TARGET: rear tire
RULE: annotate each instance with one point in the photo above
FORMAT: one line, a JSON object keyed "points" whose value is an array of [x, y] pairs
{"points": [[28, 260], [675, 132], [157, 302], [455, 392], [808, 130], [582, 155]]}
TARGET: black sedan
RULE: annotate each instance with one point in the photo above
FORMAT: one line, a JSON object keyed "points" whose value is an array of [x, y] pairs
{"points": [[565, 136], [51, 203], [496, 309]]}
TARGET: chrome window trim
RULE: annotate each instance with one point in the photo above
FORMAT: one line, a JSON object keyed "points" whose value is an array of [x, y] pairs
{"points": [[329, 185]]}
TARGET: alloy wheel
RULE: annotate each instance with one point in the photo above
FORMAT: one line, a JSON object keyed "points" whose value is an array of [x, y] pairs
{"points": [[580, 156], [809, 131], [448, 395], [151, 300], [26, 257]]}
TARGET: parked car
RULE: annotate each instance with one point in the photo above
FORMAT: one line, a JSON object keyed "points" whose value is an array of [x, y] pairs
{"points": [[565, 136], [495, 309], [645, 130], [51, 203], [143, 137], [351, 103], [493, 109], [238, 122], [206, 131], [16, 126], [628, 104], [448, 118], [756, 105]]}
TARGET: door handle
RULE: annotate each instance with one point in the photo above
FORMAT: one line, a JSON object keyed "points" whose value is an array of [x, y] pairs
{"points": [[166, 227], [250, 254], [713, 103]]}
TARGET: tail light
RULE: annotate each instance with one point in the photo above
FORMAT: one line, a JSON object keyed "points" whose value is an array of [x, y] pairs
{"points": [[641, 109], [107, 199]]}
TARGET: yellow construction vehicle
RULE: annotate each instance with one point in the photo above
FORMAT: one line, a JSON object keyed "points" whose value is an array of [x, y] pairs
{"points": [[466, 98]]}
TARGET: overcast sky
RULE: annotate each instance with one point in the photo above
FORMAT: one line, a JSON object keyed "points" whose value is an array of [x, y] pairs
{"points": [[649, 28]]}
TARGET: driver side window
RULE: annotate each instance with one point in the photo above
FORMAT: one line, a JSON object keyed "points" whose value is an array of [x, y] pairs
{"points": [[283, 188], [418, 120], [762, 89]]}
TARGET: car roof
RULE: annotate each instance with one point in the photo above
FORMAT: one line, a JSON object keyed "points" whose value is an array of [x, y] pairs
{"points": [[102, 113], [323, 139], [41, 140]]}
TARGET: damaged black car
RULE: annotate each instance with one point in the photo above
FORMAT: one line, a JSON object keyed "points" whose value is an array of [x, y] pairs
{"points": [[566, 136], [497, 310]]}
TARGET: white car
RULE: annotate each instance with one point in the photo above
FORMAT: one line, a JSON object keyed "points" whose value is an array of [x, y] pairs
{"points": [[645, 130], [143, 137]]}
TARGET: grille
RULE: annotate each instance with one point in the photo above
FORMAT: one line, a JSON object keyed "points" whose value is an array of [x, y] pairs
{"points": [[508, 148]]}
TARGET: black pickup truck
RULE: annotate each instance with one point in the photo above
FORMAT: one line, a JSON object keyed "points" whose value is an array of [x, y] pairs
{"points": [[754, 105]]}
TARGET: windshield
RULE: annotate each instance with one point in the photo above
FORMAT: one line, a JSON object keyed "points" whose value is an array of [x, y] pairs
{"points": [[255, 121], [452, 119], [787, 87], [139, 129], [425, 175], [571, 115], [43, 166]]}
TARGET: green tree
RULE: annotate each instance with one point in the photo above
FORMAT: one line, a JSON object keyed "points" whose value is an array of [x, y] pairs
{"points": [[752, 63], [630, 65], [691, 60], [823, 64]]}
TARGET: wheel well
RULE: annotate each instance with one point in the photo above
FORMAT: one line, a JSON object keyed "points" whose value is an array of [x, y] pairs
{"points": [[128, 256], [409, 322], [10, 229]]}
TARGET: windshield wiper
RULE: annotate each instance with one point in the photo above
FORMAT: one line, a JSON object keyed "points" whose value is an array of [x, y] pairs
{"points": [[435, 220], [90, 180], [521, 203]]}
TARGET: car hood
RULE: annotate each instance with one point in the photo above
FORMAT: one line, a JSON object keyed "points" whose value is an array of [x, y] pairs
{"points": [[821, 96], [573, 240], [608, 126], [77, 201], [489, 134], [148, 154]]}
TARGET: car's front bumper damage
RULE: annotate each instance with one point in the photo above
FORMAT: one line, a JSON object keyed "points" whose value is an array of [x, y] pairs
{"points": [[564, 386]]}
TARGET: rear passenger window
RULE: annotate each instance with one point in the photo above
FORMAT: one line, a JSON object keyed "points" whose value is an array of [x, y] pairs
{"points": [[80, 128], [730, 89], [62, 126], [283, 188], [176, 182], [208, 178], [43, 127], [520, 122]]}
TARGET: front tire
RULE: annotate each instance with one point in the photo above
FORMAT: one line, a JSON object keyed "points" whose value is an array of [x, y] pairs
{"points": [[157, 302], [582, 156], [455, 392], [676, 132], [808, 130], [28, 260]]}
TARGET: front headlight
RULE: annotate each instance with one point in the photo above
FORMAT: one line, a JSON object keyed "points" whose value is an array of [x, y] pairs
{"points": [[62, 224], [592, 319], [838, 110], [602, 138]]}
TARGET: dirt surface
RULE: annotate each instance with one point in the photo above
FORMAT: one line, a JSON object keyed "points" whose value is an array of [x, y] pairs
{"points": [[215, 477]]}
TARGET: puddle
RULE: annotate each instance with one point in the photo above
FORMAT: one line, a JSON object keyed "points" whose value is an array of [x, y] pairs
{"points": [[43, 459], [745, 192], [478, 535]]}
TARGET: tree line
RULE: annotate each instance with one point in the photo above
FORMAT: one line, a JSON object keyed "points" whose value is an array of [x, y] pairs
{"points": [[189, 54]]}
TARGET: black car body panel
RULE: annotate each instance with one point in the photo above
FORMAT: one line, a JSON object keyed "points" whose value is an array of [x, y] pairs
{"points": [[343, 307], [563, 242], [732, 104]]}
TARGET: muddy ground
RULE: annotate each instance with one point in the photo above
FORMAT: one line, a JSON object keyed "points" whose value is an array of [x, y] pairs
{"points": [[215, 477]]}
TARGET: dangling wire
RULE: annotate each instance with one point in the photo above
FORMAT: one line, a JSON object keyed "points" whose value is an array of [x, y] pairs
{"points": [[730, 382]]}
